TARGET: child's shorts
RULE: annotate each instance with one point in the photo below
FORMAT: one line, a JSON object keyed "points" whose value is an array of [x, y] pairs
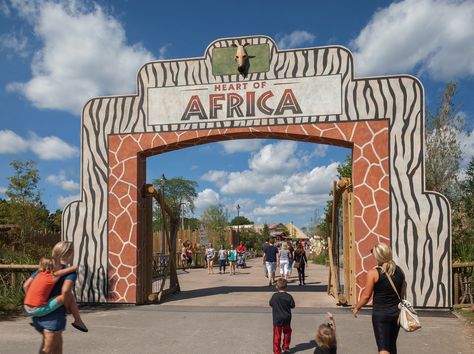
{"points": [[40, 311]]}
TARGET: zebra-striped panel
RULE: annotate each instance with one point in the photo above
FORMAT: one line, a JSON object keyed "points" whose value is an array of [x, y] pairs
{"points": [[420, 220]]}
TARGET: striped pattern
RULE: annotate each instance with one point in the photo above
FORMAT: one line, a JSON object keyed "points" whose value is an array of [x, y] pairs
{"points": [[420, 221]]}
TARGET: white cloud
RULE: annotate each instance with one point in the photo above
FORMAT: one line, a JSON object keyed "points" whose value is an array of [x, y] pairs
{"points": [[85, 54], [219, 178], [433, 36], [14, 43], [467, 146], [61, 181], [46, 148], [162, 52], [52, 148], [205, 199], [4, 9], [2, 190], [320, 151], [278, 158], [252, 182], [245, 145], [12, 143], [64, 200], [295, 39], [308, 188]]}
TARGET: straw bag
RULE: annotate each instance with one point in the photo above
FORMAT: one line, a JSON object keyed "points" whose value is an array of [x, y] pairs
{"points": [[408, 318]]}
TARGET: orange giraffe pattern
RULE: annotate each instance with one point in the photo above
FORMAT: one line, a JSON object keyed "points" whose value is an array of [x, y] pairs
{"points": [[368, 139]]}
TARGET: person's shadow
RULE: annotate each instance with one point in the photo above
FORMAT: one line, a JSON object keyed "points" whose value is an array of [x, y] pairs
{"points": [[303, 346]]}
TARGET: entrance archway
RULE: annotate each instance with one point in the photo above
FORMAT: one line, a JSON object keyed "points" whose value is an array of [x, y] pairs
{"points": [[382, 119]]}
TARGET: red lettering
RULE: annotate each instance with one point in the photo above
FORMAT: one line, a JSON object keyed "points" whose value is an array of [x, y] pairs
{"points": [[194, 107], [234, 101], [288, 101], [262, 103], [213, 105]]}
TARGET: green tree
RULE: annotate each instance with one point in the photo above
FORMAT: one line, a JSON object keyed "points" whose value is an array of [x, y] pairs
{"points": [[266, 232], [467, 187], [345, 169], [215, 219], [24, 205], [251, 238], [241, 220], [180, 194], [23, 186], [54, 220], [443, 149]]}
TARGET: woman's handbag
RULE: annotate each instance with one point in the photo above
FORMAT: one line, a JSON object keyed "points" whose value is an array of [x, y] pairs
{"points": [[298, 261], [408, 318]]}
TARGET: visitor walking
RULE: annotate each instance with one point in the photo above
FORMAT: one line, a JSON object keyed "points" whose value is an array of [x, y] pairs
{"points": [[270, 260], [292, 258], [281, 303], [300, 263], [232, 259], [284, 260], [385, 310], [52, 325], [222, 259], [210, 254]]}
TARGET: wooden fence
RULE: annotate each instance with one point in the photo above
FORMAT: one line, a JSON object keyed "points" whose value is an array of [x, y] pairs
{"points": [[463, 284]]}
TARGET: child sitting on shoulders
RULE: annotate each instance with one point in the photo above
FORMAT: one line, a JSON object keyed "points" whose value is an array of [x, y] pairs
{"points": [[326, 337], [40, 285]]}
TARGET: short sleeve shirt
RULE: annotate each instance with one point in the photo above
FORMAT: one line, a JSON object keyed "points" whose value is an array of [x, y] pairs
{"points": [[271, 253]]}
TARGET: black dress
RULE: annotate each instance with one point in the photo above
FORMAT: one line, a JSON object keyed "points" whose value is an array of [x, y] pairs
{"points": [[385, 311]]}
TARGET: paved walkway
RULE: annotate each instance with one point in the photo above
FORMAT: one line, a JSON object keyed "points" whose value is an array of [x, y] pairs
{"points": [[230, 314]]}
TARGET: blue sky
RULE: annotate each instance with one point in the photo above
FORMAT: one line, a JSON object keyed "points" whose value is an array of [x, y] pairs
{"points": [[55, 55]]}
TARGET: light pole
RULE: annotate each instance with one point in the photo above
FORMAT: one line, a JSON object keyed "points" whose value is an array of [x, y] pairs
{"points": [[162, 183], [238, 223]]}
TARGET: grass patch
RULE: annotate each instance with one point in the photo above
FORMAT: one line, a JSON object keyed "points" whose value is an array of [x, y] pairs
{"points": [[322, 258], [466, 313]]}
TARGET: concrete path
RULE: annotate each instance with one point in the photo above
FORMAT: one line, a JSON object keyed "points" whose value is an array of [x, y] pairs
{"points": [[230, 314]]}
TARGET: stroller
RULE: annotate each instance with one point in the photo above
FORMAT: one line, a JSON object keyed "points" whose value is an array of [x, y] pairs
{"points": [[241, 260]]}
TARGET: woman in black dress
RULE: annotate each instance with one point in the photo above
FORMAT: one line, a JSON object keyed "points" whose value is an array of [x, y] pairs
{"points": [[300, 257], [385, 301]]}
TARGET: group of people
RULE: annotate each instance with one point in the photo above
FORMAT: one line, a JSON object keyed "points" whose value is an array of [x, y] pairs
{"points": [[378, 287], [230, 256], [49, 297], [287, 258]]}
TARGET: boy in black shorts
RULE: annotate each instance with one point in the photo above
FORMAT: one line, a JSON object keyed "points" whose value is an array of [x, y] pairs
{"points": [[281, 303]]}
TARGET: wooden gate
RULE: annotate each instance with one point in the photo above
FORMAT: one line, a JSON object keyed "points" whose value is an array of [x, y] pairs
{"points": [[159, 271], [341, 245]]}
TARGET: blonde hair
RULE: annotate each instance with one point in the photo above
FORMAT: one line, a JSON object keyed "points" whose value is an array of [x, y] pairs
{"points": [[326, 336], [285, 245], [45, 265], [62, 250], [383, 255]]}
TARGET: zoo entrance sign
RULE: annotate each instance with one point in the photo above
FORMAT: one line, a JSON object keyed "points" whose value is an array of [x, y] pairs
{"points": [[294, 97]]}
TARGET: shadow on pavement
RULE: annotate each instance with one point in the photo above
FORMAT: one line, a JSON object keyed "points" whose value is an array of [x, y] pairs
{"points": [[303, 346], [219, 290]]}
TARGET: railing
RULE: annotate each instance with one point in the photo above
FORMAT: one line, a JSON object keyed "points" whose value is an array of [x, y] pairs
{"points": [[12, 277], [463, 283]]}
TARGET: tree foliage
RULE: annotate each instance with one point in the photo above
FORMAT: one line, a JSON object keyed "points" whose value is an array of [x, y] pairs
{"points": [[241, 220], [215, 219], [180, 194], [24, 207], [443, 149]]}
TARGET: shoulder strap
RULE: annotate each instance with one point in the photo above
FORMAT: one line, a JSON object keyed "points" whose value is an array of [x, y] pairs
{"points": [[391, 282]]}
